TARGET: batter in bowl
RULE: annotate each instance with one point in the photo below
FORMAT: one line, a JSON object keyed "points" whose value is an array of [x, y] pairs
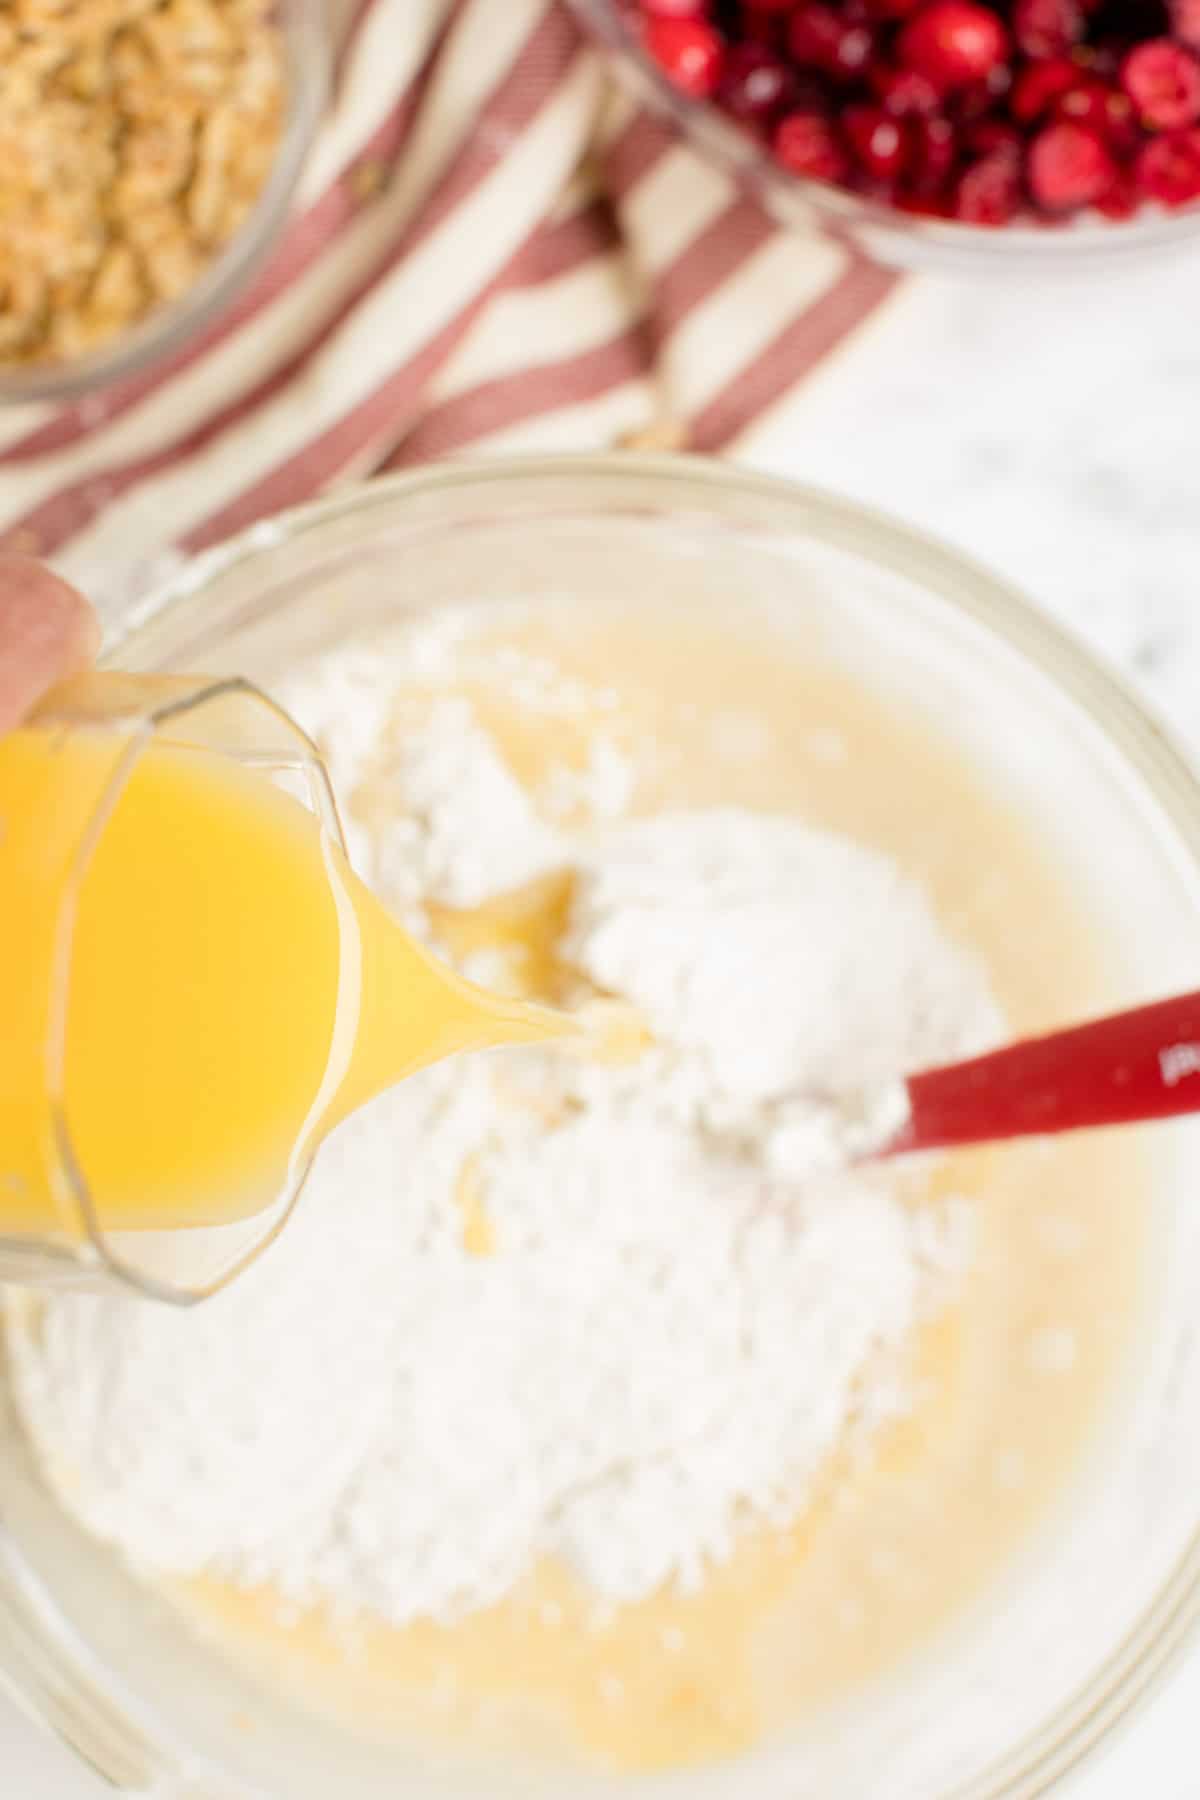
{"points": [[607, 1412]]}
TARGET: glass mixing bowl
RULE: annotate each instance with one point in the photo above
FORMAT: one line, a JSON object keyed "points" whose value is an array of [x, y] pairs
{"points": [[306, 34], [902, 240], [1034, 1675]]}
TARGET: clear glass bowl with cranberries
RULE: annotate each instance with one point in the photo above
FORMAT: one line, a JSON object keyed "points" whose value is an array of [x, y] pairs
{"points": [[952, 133]]}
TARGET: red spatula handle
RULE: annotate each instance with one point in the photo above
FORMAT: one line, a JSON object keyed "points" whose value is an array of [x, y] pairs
{"points": [[1143, 1064]]}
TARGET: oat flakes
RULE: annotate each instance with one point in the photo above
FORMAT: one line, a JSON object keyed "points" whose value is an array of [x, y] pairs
{"points": [[135, 137]]}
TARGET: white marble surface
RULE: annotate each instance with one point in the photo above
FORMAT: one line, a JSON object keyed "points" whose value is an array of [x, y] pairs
{"points": [[1053, 432]]}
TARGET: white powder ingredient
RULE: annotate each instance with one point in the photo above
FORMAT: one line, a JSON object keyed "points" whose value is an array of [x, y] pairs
{"points": [[795, 975], [677, 1323], [487, 841], [602, 788]]}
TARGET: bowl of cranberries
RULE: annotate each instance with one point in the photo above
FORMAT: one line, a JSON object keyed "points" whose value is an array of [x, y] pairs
{"points": [[938, 132]]}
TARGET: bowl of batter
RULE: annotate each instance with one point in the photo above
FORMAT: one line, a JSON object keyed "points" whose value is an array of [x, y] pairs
{"points": [[607, 1429]]}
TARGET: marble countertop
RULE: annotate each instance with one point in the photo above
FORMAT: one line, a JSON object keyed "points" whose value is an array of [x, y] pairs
{"points": [[1047, 430]]}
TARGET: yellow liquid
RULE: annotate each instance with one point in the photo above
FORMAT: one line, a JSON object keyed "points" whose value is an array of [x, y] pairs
{"points": [[232, 989]]}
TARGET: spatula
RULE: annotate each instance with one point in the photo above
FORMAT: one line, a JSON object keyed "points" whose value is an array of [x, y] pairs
{"points": [[1136, 1065]]}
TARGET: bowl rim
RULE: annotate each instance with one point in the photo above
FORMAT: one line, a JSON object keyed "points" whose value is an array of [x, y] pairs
{"points": [[167, 328], [1166, 774], [891, 235]]}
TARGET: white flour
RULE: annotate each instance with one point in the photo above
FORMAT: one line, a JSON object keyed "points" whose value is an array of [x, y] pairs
{"points": [[685, 1308]]}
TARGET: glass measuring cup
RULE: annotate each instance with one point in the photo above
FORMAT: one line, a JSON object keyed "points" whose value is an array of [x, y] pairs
{"points": [[120, 716]]}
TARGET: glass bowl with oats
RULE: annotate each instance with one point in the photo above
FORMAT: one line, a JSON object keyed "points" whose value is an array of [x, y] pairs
{"points": [[149, 153]]}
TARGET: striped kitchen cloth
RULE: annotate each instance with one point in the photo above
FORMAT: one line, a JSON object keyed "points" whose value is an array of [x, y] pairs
{"points": [[491, 251]]}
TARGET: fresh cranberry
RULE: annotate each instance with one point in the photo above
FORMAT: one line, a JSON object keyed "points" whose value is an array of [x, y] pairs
{"points": [[813, 35], [1105, 109], [759, 27], [1039, 85], [878, 141], [688, 52], [1168, 168], [973, 110], [1102, 60], [993, 138], [903, 92], [755, 84], [979, 98], [1069, 167], [1163, 81], [989, 191], [1048, 27], [855, 51], [1123, 198], [932, 154], [925, 206], [1185, 21], [807, 144], [675, 9], [953, 43], [820, 38]]}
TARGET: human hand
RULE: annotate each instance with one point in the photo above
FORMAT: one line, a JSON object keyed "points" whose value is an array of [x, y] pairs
{"points": [[47, 632]]}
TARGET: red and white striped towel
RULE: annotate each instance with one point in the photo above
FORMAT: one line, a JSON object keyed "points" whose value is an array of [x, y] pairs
{"points": [[491, 250]]}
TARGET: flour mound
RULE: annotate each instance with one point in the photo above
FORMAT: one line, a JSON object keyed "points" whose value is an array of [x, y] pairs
{"points": [[779, 959], [676, 1324], [794, 977]]}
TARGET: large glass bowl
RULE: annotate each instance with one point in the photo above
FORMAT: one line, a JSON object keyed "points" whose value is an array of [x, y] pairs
{"points": [[902, 240], [1030, 1679]]}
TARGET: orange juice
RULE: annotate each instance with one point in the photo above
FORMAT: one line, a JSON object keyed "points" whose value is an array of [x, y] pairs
{"points": [[192, 1004]]}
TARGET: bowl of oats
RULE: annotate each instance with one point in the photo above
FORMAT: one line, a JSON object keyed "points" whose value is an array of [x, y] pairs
{"points": [[149, 152]]}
